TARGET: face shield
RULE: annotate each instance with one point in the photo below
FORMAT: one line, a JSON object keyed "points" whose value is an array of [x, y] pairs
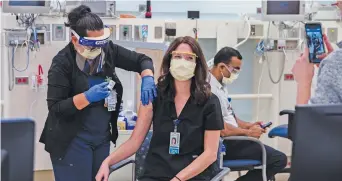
{"points": [[92, 45], [93, 42]]}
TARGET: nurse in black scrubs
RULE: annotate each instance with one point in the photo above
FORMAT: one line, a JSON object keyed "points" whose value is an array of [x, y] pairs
{"points": [[84, 97], [186, 121]]}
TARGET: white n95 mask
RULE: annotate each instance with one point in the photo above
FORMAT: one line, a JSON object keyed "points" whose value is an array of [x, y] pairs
{"points": [[182, 69], [90, 54]]}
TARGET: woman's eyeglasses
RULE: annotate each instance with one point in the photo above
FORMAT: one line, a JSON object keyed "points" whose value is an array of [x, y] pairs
{"points": [[184, 55]]}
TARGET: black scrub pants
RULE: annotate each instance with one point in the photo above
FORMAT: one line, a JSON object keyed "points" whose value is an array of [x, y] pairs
{"points": [[81, 162], [276, 160]]}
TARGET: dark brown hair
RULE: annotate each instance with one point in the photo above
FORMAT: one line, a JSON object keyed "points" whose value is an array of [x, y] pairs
{"points": [[200, 88]]}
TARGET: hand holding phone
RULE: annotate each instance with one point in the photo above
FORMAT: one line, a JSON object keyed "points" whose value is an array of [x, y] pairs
{"points": [[263, 126], [314, 41]]}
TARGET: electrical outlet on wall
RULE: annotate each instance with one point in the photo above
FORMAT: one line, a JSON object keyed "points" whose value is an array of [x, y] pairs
{"points": [[281, 44], [332, 34], [252, 30]]}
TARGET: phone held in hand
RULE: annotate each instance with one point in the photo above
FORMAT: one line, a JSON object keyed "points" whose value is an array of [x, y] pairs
{"points": [[266, 125], [314, 41]]}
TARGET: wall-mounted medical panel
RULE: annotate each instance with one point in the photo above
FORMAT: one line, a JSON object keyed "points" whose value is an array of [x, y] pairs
{"points": [[140, 33], [158, 32], [112, 32], [137, 33], [58, 32], [257, 30], [46, 30], [15, 37], [125, 32], [332, 34]]}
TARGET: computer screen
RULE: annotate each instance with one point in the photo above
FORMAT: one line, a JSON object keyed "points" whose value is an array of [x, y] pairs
{"points": [[317, 146], [283, 10], [283, 7], [26, 3], [35, 7], [17, 140]]}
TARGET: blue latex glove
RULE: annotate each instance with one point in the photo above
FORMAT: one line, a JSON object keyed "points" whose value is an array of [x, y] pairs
{"points": [[148, 90], [97, 92]]}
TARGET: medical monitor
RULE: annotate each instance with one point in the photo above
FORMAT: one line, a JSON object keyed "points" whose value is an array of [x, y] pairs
{"points": [[317, 145], [29, 6], [17, 147], [281, 10]]}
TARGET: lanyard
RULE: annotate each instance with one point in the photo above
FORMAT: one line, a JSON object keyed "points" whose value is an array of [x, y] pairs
{"points": [[176, 123], [99, 67]]}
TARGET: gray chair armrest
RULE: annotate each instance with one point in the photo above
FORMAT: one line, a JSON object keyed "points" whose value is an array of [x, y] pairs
{"points": [[120, 165], [221, 174], [246, 138]]}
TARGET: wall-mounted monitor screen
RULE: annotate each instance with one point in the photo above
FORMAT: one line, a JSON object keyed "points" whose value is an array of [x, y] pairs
{"points": [[36, 7], [283, 10]]}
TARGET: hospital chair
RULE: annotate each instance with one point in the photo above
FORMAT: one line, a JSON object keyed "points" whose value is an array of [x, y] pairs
{"points": [[246, 164], [285, 130], [138, 163]]}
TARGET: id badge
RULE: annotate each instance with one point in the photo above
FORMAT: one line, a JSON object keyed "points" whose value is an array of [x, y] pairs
{"points": [[111, 101], [174, 143]]}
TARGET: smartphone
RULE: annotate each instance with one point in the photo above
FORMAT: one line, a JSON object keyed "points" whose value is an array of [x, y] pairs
{"points": [[266, 125], [314, 41]]}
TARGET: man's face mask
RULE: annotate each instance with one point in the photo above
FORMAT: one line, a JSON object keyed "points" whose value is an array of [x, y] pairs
{"points": [[91, 47], [234, 74], [182, 66]]}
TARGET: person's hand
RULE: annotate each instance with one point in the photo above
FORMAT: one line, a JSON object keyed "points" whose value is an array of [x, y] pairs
{"points": [[329, 47], [148, 90], [249, 125], [97, 92], [103, 173], [259, 123], [256, 131], [303, 70], [339, 4]]}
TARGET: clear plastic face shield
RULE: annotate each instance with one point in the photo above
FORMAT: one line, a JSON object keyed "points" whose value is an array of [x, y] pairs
{"points": [[92, 43], [189, 56], [92, 46]]}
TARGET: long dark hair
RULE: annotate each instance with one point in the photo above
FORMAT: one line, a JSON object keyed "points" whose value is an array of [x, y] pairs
{"points": [[82, 19], [200, 88]]}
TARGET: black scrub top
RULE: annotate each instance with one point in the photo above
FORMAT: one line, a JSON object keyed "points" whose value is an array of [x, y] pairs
{"points": [[65, 80], [96, 118], [194, 121]]}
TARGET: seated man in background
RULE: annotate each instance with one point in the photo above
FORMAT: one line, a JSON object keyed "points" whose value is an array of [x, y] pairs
{"points": [[329, 80], [227, 63]]}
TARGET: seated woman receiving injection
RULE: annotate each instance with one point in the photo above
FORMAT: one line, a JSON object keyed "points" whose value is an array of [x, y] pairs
{"points": [[186, 118]]}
